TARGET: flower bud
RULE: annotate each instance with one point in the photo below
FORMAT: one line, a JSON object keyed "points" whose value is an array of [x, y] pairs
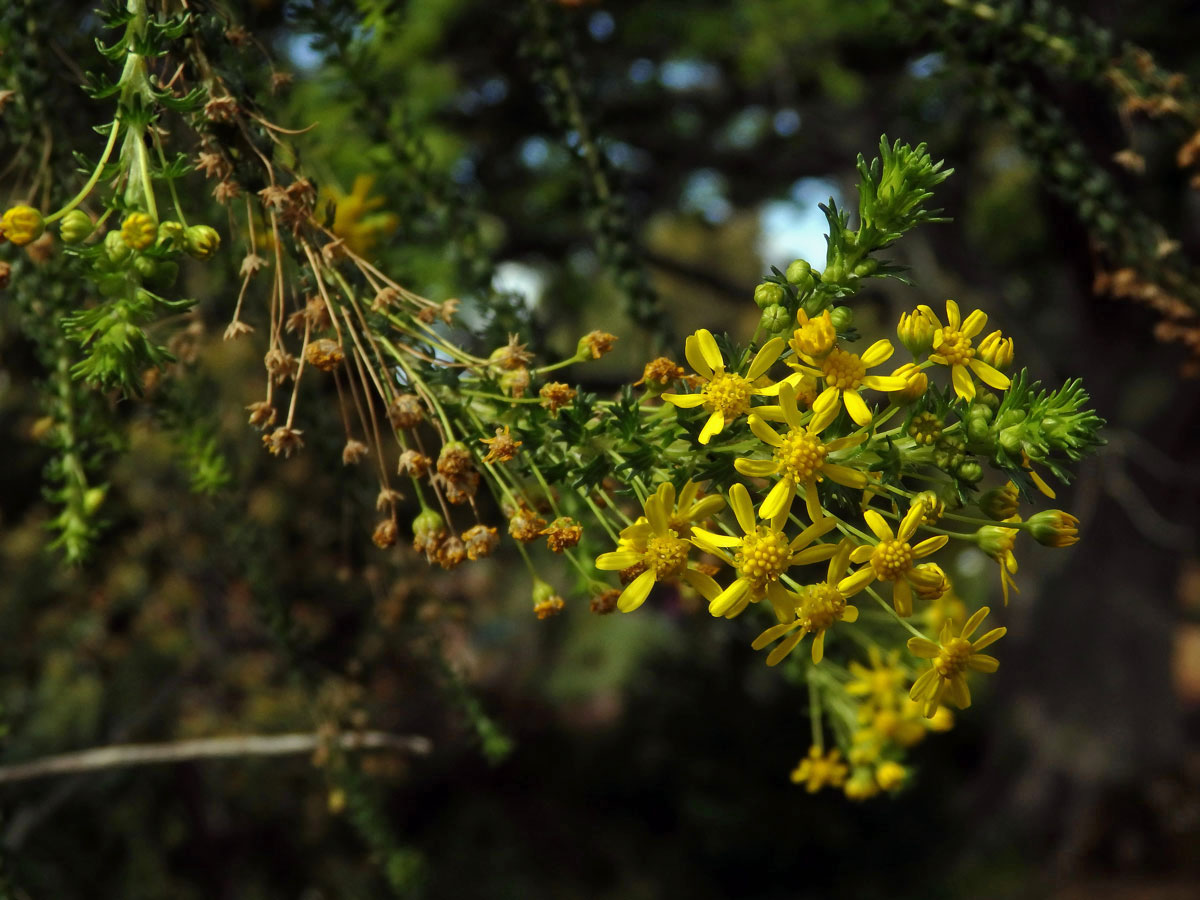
{"points": [[201, 241], [799, 273], [429, 530], [769, 294], [172, 234], [995, 541], [546, 602], [929, 581], [775, 319], [22, 225], [1000, 503], [917, 384], [891, 776], [815, 337], [970, 471], [834, 274], [115, 247], [1054, 528], [843, 318], [916, 332], [138, 231], [996, 351], [75, 227]]}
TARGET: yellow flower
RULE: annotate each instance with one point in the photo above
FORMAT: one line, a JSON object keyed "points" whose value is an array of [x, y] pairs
{"points": [[952, 656], [22, 225], [139, 231], [952, 347], [816, 607], [997, 351], [916, 383], [760, 556], [891, 776], [893, 558], [880, 684], [354, 219], [653, 541], [726, 395], [997, 542], [800, 456], [916, 332], [1054, 528], [819, 770], [845, 373], [815, 337]]}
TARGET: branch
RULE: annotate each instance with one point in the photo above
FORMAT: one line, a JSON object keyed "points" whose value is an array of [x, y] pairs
{"points": [[120, 755]]}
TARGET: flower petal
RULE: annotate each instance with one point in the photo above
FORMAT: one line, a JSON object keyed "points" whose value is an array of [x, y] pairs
{"points": [[782, 602], [684, 401], [713, 426], [964, 385], [921, 686], [861, 554], [953, 316], [844, 475], [960, 694], [989, 375], [617, 560], [705, 507], [885, 382], [812, 500], [974, 323], [787, 402], [764, 432], [714, 539], [636, 592], [852, 584], [743, 509], [818, 647], [878, 352], [815, 553], [902, 598], [778, 499], [878, 526], [989, 638], [826, 400], [656, 515], [818, 528], [764, 358], [780, 653], [850, 614], [912, 518], [774, 633], [704, 585], [981, 662], [923, 648], [930, 545], [856, 407], [691, 350], [974, 622], [756, 468]]}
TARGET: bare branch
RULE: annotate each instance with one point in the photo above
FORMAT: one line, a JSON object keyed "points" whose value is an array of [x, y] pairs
{"points": [[120, 755]]}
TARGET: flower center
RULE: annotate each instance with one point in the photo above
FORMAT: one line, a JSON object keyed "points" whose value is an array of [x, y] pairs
{"points": [[843, 370], [955, 347], [925, 428], [801, 454], [728, 394], [891, 559], [763, 557], [953, 658], [666, 555], [821, 605]]}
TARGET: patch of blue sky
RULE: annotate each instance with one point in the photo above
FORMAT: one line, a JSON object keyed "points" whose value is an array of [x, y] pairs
{"points": [[795, 228]]}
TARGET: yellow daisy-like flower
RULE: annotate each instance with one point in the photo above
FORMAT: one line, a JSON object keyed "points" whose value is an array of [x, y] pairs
{"points": [[998, 542], [816, 608], [725, 395], [952, 347], [800, 456], [894, 559], [844, 373], [356, 220], [881, 684], [815, 337], [818, 770], [760, 556], [653, 541], [953, 656]]}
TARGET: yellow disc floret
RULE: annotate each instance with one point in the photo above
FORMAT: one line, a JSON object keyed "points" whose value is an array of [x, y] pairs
{"points": [[763, 557], [891, 559], [800, 455], [843, 369], [952, 658], [665, 555], [728, 394]]}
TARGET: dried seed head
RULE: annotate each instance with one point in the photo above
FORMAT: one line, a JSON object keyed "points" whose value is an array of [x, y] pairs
{"points": [[512, 355], [515, 382], [502, 447], [214, 165], [236, 329], [455, 459], [280, 364], [480, 541], [283, 440], [385, 534], [555, 395], [595, 344], [324, 354], [429, 530], [387, 498], [458, 489], [659, 373], [262, 414], [221, 109], [451, 553], [526, 525], [414, 464], [405, 411], [562, 534], [606, 602], [384, 298], [354, 452]]}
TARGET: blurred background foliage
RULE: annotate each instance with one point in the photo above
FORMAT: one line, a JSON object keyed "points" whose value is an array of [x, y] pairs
{"points": [[635, 167]]}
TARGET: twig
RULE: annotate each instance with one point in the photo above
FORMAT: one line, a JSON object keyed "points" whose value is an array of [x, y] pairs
{"points": [[120, 755]]}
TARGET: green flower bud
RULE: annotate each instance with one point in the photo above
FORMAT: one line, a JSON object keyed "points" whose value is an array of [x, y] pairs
{"points": [[978, 430], [202, 241], [843, 318], [173, 234], [970, 472], [1000, 503], [866, 268], [834, 274], [75, 227], [769, 294], [799, 272], [1054, 528], [775, 319], [115, 246], [93, 498]]}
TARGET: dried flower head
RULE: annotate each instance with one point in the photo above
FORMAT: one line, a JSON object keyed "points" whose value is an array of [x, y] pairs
{"points": [[414, 464], [525, 525], [354, 452], [283, 440], [221, 109], [511, 356], [280, 364], [501, 448], [595, 343], [429, 530], [480, 541], [562, 534], [458, 489], [236, 329], [450, 553], [605, 602], [385, 534], [515, 382], [324, 354], [660, 372], [384, 298], [455, 459], [405, 411], [262, 414], [549, 607], [555, 395], [387, 498]]}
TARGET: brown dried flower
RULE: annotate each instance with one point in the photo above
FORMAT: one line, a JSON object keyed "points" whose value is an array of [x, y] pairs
{"points": [[480, 541], [405, 411], [262, 414], [414, 463], [605, 602], [324, 354], [455, 459], [280, 364], [451, 553], [385, 297], [283, 440], [597, 343], [658, 373], [236, 329], [526, 525], [354, 452], [562, 534], [555, 395], [547, 608], [512, 355], [385, 534], [502, 447]]}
